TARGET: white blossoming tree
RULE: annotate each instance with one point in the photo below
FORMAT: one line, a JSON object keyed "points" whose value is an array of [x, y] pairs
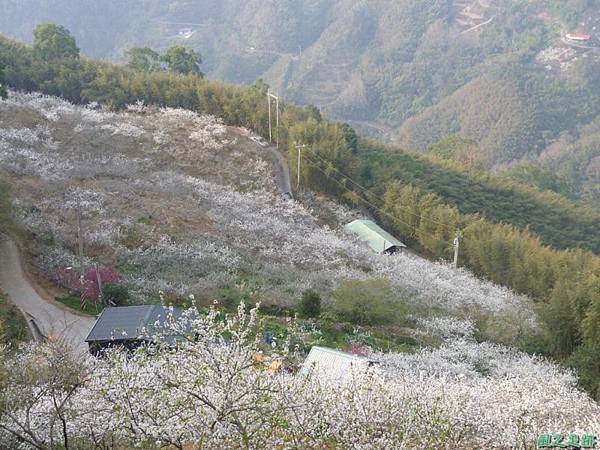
{"points": [[220, 387], [38, 386]]}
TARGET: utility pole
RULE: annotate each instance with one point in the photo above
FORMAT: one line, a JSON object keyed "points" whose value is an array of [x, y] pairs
{"points": [[269, 105], [277, 106], [457, 239], [271, 97], [299, 148], [99, 279], [80, 244]]}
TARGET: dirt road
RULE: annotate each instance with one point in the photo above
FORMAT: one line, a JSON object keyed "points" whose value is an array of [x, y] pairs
{"points": [[51, 319], [282, 171]]}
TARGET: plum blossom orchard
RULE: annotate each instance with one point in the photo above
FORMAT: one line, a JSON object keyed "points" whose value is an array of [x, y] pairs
{"points": [[225, 390], [179, 202]]}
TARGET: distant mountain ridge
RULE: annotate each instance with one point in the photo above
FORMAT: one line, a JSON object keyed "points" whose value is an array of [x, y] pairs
{"points": [[412, 71]]}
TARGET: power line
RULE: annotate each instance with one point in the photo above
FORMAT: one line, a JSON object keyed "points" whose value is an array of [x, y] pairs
{"points": [[455, 243], [376, 208], [339, 171], [367, 191]]}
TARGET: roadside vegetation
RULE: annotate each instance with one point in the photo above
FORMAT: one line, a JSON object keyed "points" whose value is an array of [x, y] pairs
{"points": [[13, 328], [91, 308], [3, 89], [5, 205]]}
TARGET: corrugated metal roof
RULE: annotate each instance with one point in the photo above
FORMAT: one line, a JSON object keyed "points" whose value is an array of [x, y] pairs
{"points": [[579, 36], [331, 362], [377, 238], [127, 322]]}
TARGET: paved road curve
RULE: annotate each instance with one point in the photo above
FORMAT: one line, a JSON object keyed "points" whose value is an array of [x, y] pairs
{"points": [[282, 171], [51, 319]]}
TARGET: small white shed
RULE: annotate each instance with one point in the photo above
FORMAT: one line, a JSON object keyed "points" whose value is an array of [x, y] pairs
{"points": [[333, 363]]}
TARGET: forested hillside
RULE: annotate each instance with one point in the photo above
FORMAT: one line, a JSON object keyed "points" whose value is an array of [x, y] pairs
{"points": [[497, 72], [503, 201]]}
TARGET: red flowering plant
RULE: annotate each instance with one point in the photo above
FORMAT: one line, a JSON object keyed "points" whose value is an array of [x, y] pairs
{"points": [[359, 349], [69, 278]]}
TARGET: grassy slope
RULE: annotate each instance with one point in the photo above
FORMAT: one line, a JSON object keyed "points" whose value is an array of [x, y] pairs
{"points": [[90, 308]]}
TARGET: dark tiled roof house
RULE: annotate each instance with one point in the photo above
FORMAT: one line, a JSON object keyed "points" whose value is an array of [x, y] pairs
{"points": [[128, 326]]}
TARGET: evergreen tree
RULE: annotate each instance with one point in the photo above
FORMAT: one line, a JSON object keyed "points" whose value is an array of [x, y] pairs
{"points": [[52, 42], [589, 305], [314, 112], [143, 59], [182, 60], [559, 318], [402, 203], [351, 137], [310, 304]]}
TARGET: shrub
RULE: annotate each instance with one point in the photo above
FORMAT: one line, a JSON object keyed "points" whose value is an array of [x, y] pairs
{"points": [[4, 203], [310, 304], [69, 278], [328, 321], [13, 327], [510, 328], [116, 294], [276, 310], [231, 297], [585, 362], [366, 302]]}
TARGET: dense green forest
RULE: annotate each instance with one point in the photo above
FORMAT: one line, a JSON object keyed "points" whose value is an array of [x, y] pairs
{"points": [[557, 221], [422, 200], [416, 71]]}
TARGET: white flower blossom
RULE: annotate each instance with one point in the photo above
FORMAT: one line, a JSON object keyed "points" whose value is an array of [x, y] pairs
{"points": [[222, 389]]}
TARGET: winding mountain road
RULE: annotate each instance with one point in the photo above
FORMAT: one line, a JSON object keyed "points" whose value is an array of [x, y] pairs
{"points": [[280, 167], [49, 319], [282, 171]]}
